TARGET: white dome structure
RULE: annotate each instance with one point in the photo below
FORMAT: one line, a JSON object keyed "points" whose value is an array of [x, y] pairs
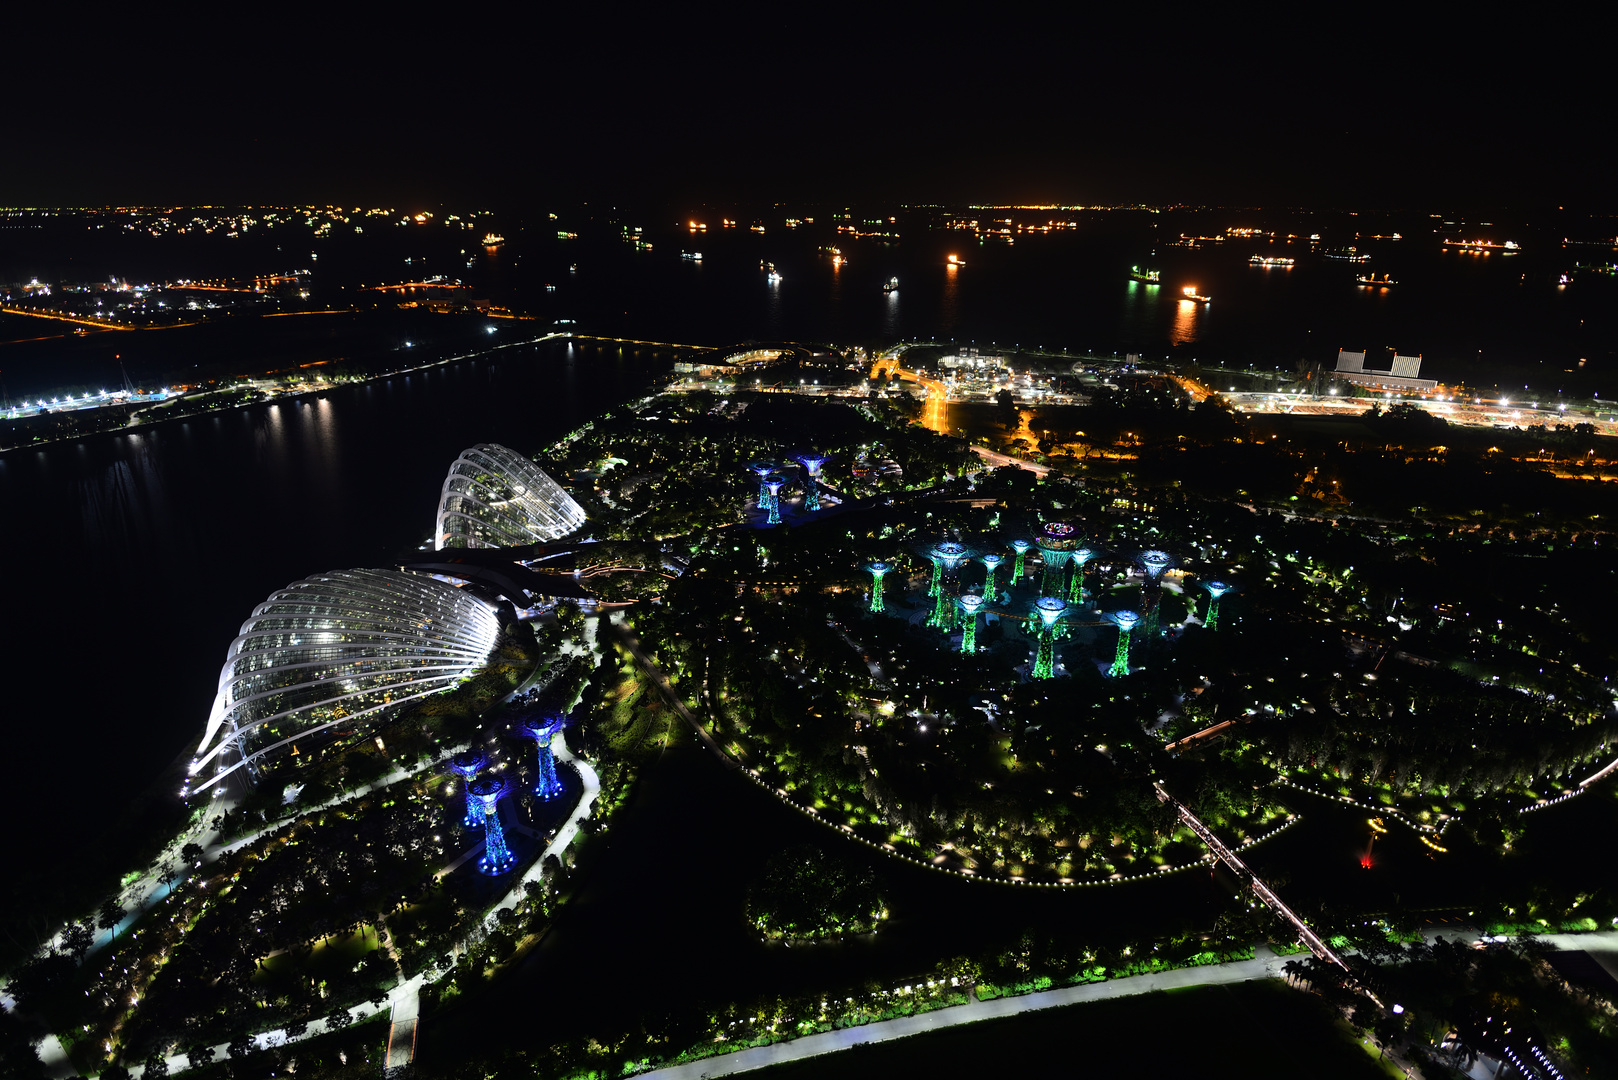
{"points": [[494, 497], [347, 649]]}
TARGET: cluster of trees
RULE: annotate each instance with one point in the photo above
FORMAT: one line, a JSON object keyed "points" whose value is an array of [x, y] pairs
{"points": [[805, 892]]}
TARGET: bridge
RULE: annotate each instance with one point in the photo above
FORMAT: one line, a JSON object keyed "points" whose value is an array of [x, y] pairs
{"points": [[1321, 950]]}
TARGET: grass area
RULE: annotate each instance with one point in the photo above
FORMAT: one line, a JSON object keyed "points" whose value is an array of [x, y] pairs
{"points": [[340, 951], [1254, 1030]]}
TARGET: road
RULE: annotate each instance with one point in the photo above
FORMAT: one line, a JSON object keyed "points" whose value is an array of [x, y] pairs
{"points": [[1265, 965]]}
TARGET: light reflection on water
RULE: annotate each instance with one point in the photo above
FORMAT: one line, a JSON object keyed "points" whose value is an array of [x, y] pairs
{"points": [[1187, 315]]}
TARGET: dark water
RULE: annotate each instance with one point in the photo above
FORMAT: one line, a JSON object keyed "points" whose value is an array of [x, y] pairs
{"points": [[1490, 320], [132, 560]]}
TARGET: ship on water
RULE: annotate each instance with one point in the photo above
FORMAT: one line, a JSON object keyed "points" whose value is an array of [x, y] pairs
{"points": [[1271, 260], [1375, 282], [1348, 254], [892, 286], [1190, 295], [1510, 247], [493, 239], [1148, 275]]}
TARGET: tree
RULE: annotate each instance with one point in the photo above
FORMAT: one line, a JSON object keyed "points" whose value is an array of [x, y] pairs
{"points": [[199, 1055], [240, 1046], [76, 939], [157, 1065], [337, 1018], [1005, 406], [191, 853], [110, 915]]}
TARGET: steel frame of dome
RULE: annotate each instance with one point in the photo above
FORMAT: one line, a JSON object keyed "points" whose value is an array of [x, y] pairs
{"points": [[495, 497], [367, 641]]}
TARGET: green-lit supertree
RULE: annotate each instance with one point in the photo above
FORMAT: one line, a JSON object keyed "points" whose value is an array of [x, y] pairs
{"points": [[1216, 589], [1021, 548], [946, 557], [1049, 609], [877, 570], [1056, 543], [1075, 589], [971, 604], [991, 562], [1126, 621]]}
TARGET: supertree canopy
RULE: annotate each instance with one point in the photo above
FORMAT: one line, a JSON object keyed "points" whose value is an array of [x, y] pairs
{"points": [[1127, 621], [497, 858], [811, 465], [1021, 548], [540, 729], [468, 764], [992, 562], [1056, 543], [946, 557], [762, 469], [877, 570], [773, 484], [1216, 589], [971, 604], [1075, 589], [1049, 609]]}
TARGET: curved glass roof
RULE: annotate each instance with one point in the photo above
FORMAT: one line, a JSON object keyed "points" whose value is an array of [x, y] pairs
{"points": [[495, 497], [336, 651]]}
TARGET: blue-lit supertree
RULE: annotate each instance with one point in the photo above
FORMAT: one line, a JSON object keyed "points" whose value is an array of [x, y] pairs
{"points": [[1075, 589], [1056, 543], [877, 570], [773, 484], [1126, 621], [1151, 590], [468, 765], [1021, 548], [811, 465], [971, 604], [946, 557], [762, 469], [1216, 589], [497, 858], [540, 729], [992, 563], [1049, 609]]}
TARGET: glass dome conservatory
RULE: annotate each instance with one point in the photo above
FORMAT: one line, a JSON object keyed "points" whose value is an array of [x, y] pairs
{"points": [[495, 497], [335, 652]]}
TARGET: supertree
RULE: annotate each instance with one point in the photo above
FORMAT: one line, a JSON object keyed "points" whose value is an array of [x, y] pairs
{"points": [[877, 569], [1154, 563], [811, 465], [1056, 543], [1216, 589], [971, 604], [497, 858], [946, 557], [762, 469], [773, 484], [1049, 609], [992, 562], [540, 729], [1075, 589], [1021, 548], [467, 765], [1126, 621]]}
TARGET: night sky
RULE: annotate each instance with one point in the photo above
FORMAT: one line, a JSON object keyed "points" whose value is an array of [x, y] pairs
{"points": [[477, 104]]}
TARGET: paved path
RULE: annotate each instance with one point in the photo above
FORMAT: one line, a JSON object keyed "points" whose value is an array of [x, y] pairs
{"points": [[1263, 966]]}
